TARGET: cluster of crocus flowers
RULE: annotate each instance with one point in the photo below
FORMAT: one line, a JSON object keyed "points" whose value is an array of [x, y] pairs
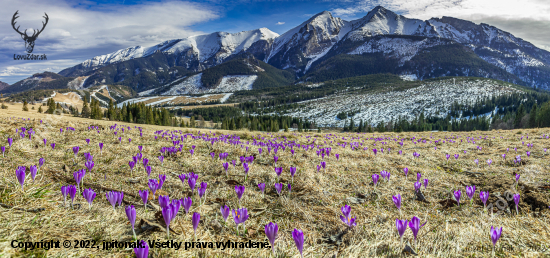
{"points": [[346, 217], [414, 225], [114, 198], [68, 190], [385, 174], [169, 212]]}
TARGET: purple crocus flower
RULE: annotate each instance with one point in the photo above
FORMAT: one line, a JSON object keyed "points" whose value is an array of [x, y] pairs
{"points": [[145, 161], [3, 149], [187, 202], [72, 193], [202, 189], [516, 201], [418, 176], [476, 161], [239, 189], [143, 250], [64, 192], [148, 170], [140, 148], [495, 235], [456, 156], [89, 195], [195, 221], [191, 181], [417, 186], [161, 158], [406, 170], [131, 164], [162, 178], [275, 158], [517, 178], [20, 174], [164, 200], [271, 230], [53, 146], [225, 167], [415, 226], [33, 171], [425, 183], [279, 188], [225, 212], [112, 197], [182, 178], [262, 187], [10, 141], [144, 194], [89, 165], [153, 186], [131, 214], [397, 201], [278, 171], [75, 150], [457, 195], [168, 215], [489, 161], [337, 156], [401, 228], [470, 191], [484, 196], [298, 237], [88, 141], [78, 175], [375, 178]]}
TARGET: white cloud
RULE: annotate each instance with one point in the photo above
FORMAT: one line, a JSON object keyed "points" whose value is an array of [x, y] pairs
{"points": [[280, 23], [516, 17], [74, 34]]}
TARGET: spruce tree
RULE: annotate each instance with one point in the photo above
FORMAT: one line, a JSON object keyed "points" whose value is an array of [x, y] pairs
{"points": [[85, 109], [39, 109], [519, 115], [25, 106], [533, 117]]}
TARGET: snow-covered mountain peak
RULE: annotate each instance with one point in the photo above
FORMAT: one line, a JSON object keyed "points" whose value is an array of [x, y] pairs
{"points": [[319, 33], [381, 21]]}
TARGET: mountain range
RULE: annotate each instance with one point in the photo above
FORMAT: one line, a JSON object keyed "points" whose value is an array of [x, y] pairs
{"points": [[320, 49]]}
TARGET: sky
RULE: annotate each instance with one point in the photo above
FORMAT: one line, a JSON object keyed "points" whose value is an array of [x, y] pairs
{"points": [[79, 30]]}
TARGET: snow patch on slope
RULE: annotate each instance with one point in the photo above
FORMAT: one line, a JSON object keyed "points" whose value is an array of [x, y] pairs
{"points": [[404, 49]]}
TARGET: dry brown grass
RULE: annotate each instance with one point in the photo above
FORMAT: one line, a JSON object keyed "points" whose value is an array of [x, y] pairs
{"points": [[313, 206]]}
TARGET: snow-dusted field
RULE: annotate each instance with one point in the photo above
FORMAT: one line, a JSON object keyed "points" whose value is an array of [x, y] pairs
{"points": [[433, 98], [230, 83], [177, 100]]}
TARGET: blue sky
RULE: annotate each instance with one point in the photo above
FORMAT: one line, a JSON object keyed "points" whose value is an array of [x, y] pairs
{"points": [[80, 30]]}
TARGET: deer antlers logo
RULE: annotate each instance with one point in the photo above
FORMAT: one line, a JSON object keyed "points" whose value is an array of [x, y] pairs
{"points": [[29, 40]]}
